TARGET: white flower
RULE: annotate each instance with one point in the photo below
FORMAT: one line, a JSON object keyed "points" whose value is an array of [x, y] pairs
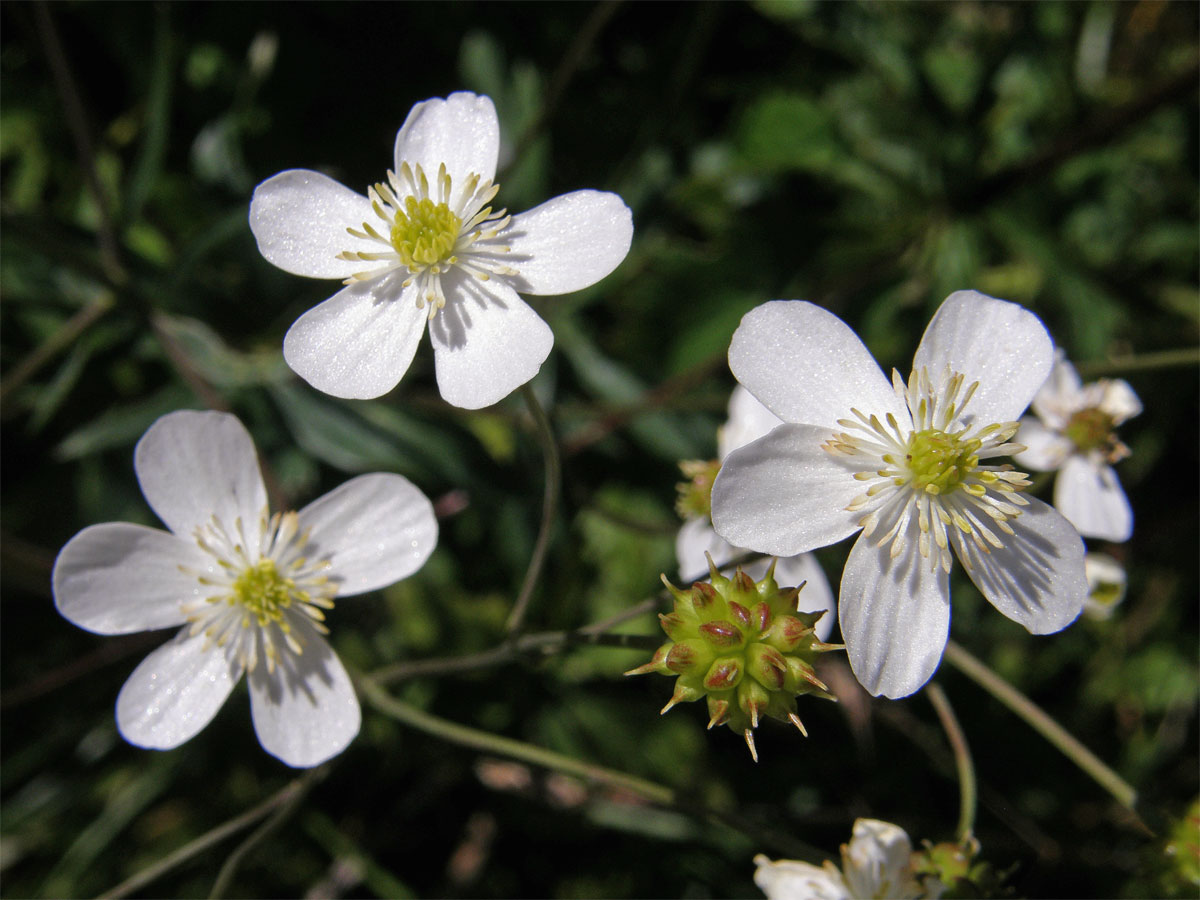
{"points": [[1075, 436], [1106, 581], [877, 863], [426, 244], [748, 421], [910, 465], [250, 590]]}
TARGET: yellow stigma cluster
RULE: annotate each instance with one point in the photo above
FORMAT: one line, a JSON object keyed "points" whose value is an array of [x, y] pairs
{"points": [[1093, 429], [425, 233], [259, 590], [427, 229], [929, 468]]}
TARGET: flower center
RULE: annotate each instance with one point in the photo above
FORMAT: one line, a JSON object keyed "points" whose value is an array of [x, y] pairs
{"points": [[427, 229], [1090, 429], [425, 233], [932, 473], [263, 592], [938, 462], [258, 590]]}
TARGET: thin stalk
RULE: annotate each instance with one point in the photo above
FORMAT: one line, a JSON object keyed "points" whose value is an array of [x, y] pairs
{"points": [[487, 742], [549, 509], [1142, 362], [229, 869], [60, 340], [967, 798], [205, 841], [544, 642], [1042, 723]]}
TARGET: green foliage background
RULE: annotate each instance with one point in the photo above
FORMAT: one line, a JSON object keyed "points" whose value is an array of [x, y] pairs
{"points": [[871, 157]]}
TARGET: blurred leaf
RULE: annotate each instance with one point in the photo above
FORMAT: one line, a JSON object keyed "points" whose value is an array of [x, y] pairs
{"points": [[788, 131], [122, 425]]}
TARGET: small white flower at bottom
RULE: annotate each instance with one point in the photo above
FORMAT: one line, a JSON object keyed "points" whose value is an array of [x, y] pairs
{"points": [[251, 590], [877, 863]]}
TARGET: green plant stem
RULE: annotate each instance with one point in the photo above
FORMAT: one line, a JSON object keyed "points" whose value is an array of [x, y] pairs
{"points": [[543, 643], [60, 340], [1042, 723], [205, 841], [968, 798], [549, 510], [502, 746], [229, 869], [1142, 362]]}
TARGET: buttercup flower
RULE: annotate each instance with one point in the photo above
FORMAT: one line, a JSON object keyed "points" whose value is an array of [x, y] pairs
{"points": [[251, 590], [748, 421], [910, 465], [424, 245], [877, 863], [1073, 434], [1106, 582]]}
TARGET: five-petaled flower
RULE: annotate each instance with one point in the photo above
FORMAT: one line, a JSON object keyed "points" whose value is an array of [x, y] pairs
{"points": [[910, 464], [251, 590], [877, 862], [1073, 433], [426, 244], [748, 421]]}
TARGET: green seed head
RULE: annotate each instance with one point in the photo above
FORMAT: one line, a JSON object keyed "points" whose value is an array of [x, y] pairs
{"points": [[744, 647]]}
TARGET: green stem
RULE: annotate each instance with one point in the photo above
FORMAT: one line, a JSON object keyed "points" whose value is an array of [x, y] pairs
{"points": [[60, 340], [199, 845], [229, 869], [968, 799], [501, 746], [1040, 721], [549, 509], [544, 643], [1142, 362]]}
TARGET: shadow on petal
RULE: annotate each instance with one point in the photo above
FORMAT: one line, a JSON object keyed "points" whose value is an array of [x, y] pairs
{"points": [[463, 292]]}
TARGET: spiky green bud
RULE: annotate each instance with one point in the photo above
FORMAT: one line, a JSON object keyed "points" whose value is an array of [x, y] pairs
{"points": [[743, 646]]}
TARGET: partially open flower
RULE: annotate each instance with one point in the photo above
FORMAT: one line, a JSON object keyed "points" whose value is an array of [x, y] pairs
{"points": [[427, 245], [251, 589], [744, 647], [1074, 434]]}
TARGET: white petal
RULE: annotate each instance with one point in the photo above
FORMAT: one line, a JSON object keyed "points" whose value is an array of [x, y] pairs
{"points": [[359, 343], [299, 219], [117, 578], [808, 366], [375, 529], [568, 243], [305, 711], [1060, 395], [1037, 577], [1001, 345], [789, 879], [784, 495], [1090, 495], [695, 538], [1120, 401], [193, 466], [487, 342], [895, 616], [174, 693], [1045, 450], [877, 861], [461, 131], [748, 421]]}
